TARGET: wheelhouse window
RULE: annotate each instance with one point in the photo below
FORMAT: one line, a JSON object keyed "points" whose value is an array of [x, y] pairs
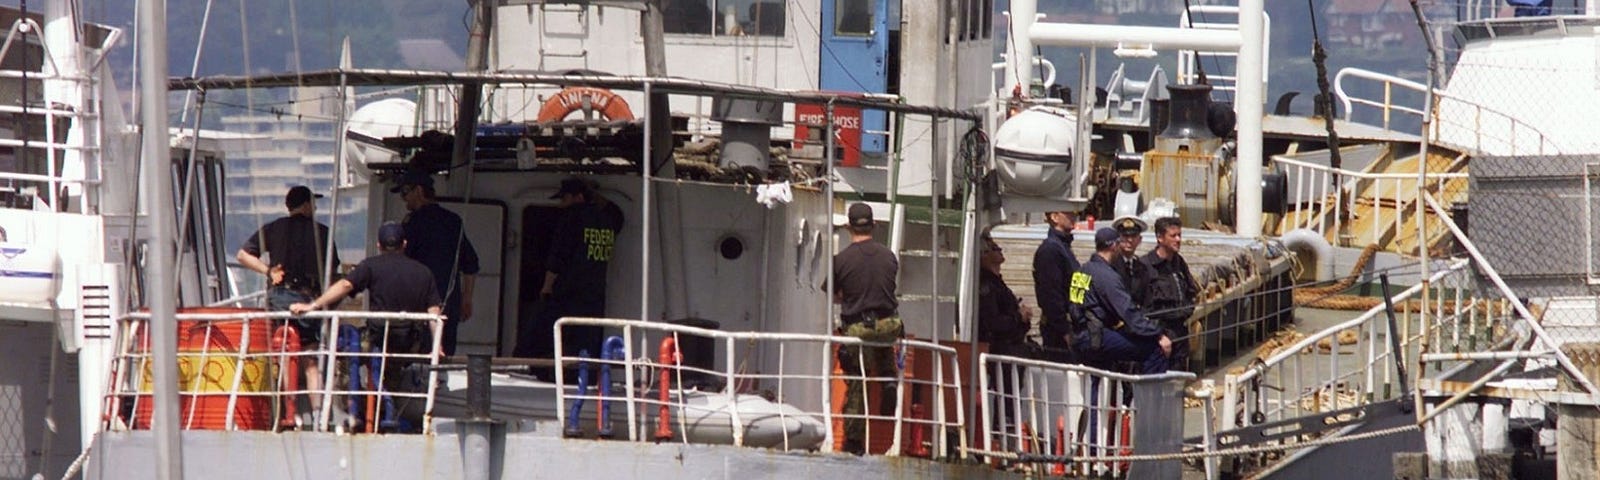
{"points": [[853, 18], [724, 18]]}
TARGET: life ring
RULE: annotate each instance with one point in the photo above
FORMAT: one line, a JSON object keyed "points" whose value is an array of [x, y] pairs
{"points": [[571, 99]]}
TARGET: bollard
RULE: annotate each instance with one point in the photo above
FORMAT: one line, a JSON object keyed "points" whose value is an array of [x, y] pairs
{"points": [[612, 349], [572, 429], [478, 439], [668, 357]]}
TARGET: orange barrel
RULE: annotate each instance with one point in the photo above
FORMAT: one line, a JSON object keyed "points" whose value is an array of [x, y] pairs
{"points": [[210, 360]]}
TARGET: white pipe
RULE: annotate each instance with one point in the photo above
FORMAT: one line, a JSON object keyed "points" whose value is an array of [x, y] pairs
{"points": [[1158, 38], [1019, 44], [1305, 240], [1249, 109]]}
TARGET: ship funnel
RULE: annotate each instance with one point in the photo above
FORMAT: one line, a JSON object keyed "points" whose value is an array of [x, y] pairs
{"points": [[1188, 127], [746, 131]]}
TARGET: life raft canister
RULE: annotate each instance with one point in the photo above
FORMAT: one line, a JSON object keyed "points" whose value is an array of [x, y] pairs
{"points": [[571, 99]]}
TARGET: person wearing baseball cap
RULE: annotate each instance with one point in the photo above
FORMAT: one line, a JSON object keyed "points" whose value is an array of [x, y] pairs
{"points": [[583, 241], [1110, 326], [864, 276], [396, 282], [295, 247], [437, 238]]}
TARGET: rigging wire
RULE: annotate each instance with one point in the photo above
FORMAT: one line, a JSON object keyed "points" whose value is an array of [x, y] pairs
{"points": [[194, 66], [1199, 67]]}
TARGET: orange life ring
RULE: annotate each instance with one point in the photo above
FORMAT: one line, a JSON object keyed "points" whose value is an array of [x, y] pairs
{"points": [[572, 99]]}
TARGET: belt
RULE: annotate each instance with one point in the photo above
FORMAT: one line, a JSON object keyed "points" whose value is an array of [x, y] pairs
{"points": [[865, 317]]}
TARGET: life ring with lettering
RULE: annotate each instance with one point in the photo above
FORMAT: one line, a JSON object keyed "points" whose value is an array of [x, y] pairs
{"points": [[571, 99]]}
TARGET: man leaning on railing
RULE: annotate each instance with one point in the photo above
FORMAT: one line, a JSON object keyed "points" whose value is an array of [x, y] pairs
{"points": [[395, 283], [1110, 327]]}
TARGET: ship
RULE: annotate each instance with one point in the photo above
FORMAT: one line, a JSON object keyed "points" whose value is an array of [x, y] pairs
{"points": [[732, 140]]}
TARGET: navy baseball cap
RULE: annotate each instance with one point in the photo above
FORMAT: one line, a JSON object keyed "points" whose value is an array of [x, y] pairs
{"points": [[299, 195], [860, 215], [391, 234], [421, 179], [1105, 237]]}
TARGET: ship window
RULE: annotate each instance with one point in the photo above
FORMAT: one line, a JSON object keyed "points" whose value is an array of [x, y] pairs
{"points": [[853, 18], [731, 247], [989, 18], [724, 17]]}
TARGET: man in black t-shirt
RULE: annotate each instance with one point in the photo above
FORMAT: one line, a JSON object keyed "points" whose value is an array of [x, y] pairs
{"points": [[864, 286], [575, 274], [296, 246], [396, 283]]}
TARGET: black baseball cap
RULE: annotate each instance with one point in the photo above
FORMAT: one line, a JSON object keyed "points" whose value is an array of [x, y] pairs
{"points": [[391, 234], [860, 215], [299, 195]]}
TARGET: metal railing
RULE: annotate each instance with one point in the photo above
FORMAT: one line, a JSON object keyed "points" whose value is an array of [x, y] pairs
{"points": [[240, 369], [1466, 130], [1352, 363], [1189, 61], [80, 150], [1055, 409], [1314, 194], [691, 403]]}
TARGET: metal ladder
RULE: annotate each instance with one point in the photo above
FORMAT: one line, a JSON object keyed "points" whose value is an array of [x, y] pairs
{"points": [[929, 257], [580, 24]]}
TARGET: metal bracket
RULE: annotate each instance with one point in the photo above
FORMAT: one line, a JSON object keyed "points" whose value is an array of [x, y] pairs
{"points": [[1273, 432]]}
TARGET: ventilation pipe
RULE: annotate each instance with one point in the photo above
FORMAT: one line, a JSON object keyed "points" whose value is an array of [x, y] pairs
{"points": [[1303, 242]]}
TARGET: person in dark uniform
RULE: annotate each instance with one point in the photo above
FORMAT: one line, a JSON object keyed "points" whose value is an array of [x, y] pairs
{"points": [[1136, 276], [1003, 322], [575, 274], [395, 283], [864, 276], [1171, 295], [1113, 329], [434, 236], [1053, 265], [296, 245]]}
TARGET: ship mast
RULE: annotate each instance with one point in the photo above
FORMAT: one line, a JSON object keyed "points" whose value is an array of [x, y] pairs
{"points": [[156, 156]]}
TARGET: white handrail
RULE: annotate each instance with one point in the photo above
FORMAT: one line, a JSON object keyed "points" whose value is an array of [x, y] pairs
{"points": [[126, 376], [734, 344], [1387, 105], [1290, 363], [1073, 410], [1311, 182]]}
